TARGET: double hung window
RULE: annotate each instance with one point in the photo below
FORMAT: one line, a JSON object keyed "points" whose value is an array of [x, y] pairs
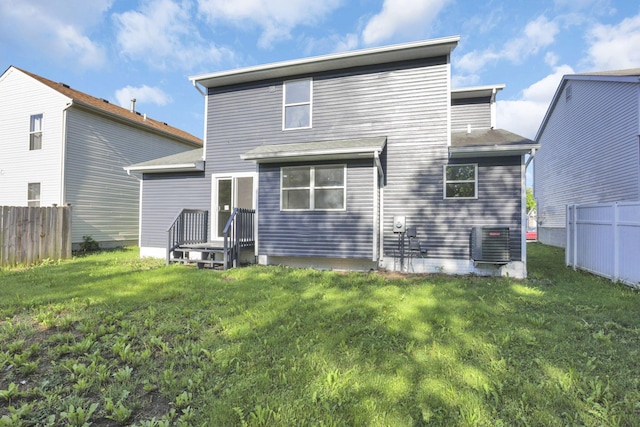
{"points": [[35, 132], [33, 194], [460, 181], [297, 104], [316, 188]]}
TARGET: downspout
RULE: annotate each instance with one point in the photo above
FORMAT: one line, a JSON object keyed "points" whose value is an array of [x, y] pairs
{"points": [[376, 158], [198, 88], [64, 154], [493, 108], [206, 112], [449, 99], [531, 156], [523, 220]]}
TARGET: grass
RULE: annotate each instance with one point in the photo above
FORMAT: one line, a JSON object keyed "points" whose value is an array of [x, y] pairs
{"points": [[109, 339]]}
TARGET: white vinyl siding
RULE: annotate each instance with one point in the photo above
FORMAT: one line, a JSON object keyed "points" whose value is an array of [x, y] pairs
{"points": [[296, 109], [23, 97], [97, 150], [589, 152]]}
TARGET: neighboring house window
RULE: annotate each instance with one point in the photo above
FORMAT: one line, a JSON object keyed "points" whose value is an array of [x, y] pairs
{"points": [[35, 132], [318, 188], [460, 181], [297, 104], [33, 194]]}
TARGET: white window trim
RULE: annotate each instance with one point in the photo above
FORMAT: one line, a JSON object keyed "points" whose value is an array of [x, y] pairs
{"points": [[312, 188], [32, 132], [445, 182], [285, 105]]}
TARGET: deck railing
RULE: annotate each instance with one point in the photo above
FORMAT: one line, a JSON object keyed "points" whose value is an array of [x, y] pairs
{"points": [[238, 233], [189, 227]]}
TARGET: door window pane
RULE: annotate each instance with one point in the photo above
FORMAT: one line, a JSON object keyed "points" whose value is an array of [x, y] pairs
{"points": [[224, 204]]}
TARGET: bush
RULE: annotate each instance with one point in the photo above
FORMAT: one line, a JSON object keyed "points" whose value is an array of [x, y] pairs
{"points": [[88, 244]]}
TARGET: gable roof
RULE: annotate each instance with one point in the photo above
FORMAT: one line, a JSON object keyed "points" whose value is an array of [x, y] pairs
{"points": [[337, 61], [105, 107], [630, 75]]}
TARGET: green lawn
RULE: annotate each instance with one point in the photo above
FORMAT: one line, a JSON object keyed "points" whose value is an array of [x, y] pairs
{"points": [[108, 339]]}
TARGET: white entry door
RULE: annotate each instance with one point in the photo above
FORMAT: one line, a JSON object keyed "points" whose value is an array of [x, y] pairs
{"points": [[229, 192]]}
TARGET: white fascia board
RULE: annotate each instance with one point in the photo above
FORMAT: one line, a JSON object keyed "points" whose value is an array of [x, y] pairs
{"points": [[311, 155], [183, 167], [476, 91], [401, 52], [491, 151]]}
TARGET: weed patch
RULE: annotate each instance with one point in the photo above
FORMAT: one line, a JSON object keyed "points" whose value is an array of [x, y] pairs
{"points": [[110, 339]]}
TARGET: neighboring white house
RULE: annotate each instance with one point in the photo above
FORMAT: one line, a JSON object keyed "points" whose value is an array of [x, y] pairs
{"points": [[62, 146], [589, 147]]}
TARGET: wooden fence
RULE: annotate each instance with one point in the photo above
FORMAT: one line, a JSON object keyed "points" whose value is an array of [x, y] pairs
{"points": [[29, 234], [605, 239]]}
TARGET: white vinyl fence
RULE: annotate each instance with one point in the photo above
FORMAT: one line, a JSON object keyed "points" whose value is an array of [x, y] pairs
{"points": [[604, 239]]}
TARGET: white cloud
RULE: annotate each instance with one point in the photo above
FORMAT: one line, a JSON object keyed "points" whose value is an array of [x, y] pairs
{"points": [[401, 17], [524, 116], [348, 42], [275, 18], [537, 35], [614, 46], [143, 94], [551, 59], [59, 31], [162, 34]]}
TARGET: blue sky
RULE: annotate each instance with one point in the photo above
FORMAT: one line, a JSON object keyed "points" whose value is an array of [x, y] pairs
{"points": [[147, 49]]}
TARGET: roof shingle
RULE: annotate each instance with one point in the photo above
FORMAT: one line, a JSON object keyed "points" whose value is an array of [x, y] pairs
{"points": [[107, 107]]}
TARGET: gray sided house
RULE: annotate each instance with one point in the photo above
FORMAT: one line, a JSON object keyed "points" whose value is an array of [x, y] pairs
{"points": [[589, 149], [62, 146], [345, 158]]}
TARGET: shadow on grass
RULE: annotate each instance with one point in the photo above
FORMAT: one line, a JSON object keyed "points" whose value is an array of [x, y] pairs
{"points": [[303, 347]]}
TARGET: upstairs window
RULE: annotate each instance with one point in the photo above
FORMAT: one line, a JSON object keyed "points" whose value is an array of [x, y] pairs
{"points": [[297, 104], [318, 188], [460, 181], [33, 194], [35, 132]]}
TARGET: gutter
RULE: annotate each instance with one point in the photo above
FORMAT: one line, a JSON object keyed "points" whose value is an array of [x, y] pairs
{"points": [[492, 150], [183, 167]]}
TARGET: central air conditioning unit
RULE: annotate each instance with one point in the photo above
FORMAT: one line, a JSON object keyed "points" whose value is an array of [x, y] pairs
{"points": [[490, 244]]}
